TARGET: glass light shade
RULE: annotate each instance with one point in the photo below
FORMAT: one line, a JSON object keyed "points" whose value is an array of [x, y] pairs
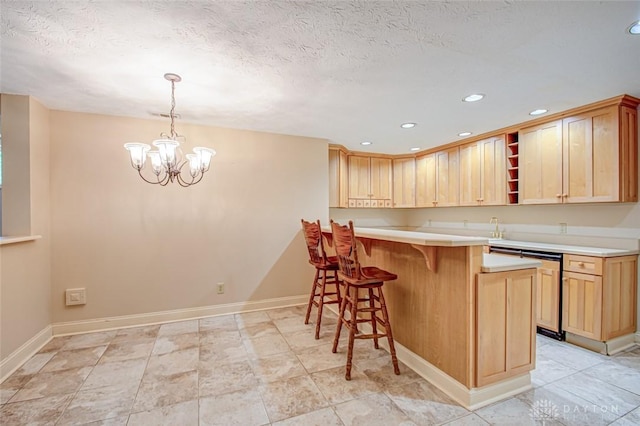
{"points": [[167, 148], [194, 164], [156, 161], [205, 155], [138, 152]]}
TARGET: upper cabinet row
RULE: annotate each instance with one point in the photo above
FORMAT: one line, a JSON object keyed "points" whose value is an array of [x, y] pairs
{"points": [[586, 157]]}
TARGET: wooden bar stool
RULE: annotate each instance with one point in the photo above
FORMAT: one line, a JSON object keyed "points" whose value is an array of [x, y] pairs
{"points": [[326, 272], [369, 280]]}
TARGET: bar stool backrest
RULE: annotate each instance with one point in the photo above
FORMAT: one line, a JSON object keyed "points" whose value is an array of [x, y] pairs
{"points": [[313, 237], [344, 242]]}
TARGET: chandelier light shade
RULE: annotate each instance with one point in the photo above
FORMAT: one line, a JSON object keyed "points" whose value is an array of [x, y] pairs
{"points": [[167, 162]]}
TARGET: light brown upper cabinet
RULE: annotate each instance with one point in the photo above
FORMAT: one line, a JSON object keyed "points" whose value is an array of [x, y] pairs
{"points": [[437, 179], [370, 181], [338, 178], [404, 182], [587, 157], [483, 172]]}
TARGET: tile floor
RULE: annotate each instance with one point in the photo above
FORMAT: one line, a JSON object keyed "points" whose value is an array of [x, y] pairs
{"points": [[265, 367]]}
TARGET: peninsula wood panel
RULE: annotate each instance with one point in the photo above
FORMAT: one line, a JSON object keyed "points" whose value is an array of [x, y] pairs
{"points": [[426, 181], [619, 299], [541, 163], [404, 182], [548, 295], [432, 313], [505, 325]]}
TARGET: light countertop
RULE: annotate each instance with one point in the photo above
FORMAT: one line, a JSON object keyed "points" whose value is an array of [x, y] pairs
{"points": [[499, 263], [561, 248], [419, 238]]}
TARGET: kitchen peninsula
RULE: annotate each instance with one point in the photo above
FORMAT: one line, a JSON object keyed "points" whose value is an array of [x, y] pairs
{"points": [[462, 318]]}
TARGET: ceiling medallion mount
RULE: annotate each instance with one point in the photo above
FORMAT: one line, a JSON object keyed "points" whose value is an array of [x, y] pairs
{"points": [[167, 161]]}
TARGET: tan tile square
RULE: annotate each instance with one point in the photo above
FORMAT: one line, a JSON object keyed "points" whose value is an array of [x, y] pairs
{"points": [[64, 360], [291, 397], [337, 389], [55, 344], [220, 323], [265, 346], [380, 370], [35, 364], [259, 330], [323, 417], [53, 383], [277, 367], [320, 357], [102, 403], [223, 353], [160, 391], [125, 350], [12, 385], [372, 410], [236, 408], [175, 342], [89, 340], [173, 363], [179, 327], [222, 337], [181, 414], [116, 373], [225, 378], [425, 404], [136, 333], [288, 312], [251, 318], [36, 411]]}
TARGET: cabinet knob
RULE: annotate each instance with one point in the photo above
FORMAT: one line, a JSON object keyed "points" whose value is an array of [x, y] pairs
{"points": [[565, 195], [558, 195], [581, 264]]}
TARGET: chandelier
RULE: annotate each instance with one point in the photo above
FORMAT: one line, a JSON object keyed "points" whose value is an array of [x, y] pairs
{"points": [[167, 161]]}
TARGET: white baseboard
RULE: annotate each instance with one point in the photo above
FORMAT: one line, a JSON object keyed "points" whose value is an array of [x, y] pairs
{"points": [[471, 399], [125, 321], [610, 347], [24, 352]]}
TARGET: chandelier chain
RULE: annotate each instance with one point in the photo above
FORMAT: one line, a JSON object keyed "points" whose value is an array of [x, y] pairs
{"points": [[173, 108]]}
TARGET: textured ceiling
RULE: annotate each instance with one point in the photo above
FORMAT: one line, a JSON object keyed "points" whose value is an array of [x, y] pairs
{"points": [[348, 71]]}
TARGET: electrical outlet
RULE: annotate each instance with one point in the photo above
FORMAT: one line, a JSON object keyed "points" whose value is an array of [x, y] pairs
{"points": [[220, 288], [563, 228], [75, 296]]}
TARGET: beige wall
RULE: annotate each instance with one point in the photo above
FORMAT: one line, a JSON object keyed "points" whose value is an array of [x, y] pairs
{"points": [[25, 276], [140, 248]]}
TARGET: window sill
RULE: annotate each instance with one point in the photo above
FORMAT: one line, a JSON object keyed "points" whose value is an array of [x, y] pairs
{"points": [[13, 240]]}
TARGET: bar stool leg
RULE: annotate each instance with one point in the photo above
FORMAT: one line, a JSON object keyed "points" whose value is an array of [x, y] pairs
{"points": [[374, 324], [323, 287], [387, 327], [343, 306], [313, 294], [353, 326]]}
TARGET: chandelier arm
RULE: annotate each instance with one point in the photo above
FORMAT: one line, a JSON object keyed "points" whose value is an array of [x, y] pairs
{"points": [[161, 182], [184, 183]]}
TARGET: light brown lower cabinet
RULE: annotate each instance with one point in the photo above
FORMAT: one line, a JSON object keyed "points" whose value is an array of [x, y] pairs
{"points": [[548, 296], [505, 325], [599, 296]]}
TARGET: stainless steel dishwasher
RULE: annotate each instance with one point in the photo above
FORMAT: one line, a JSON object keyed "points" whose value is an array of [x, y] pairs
{"points": [[548, 291]]}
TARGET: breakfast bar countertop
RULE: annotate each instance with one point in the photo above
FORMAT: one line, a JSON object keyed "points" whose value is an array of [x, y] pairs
{"points": [[419, 238]]}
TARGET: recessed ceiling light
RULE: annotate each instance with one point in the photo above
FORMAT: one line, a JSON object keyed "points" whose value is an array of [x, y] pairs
{"points": [[473, 98], [415, 149], [408, 125], [464, 134], [538, 111], [365, 143], [634, 28]]}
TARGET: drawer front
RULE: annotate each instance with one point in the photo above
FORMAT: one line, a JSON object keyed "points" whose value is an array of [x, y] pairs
{"points": [[583, 264]]}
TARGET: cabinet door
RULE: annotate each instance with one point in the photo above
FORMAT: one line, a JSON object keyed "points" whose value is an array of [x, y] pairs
{"points": [[426, 181], [381, 176], [493, 162], [470, 175], [541, 164], [338, 183], [548, 296], [619, 285], [404, 182], [448, 175], [505, 321], [358, 177], [582, 304], [590, 151]]}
